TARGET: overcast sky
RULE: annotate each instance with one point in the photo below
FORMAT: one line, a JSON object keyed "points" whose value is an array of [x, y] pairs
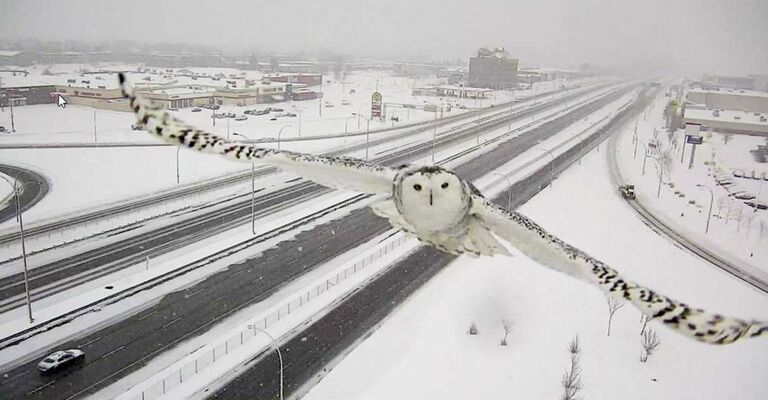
{"points": [[708, 35]]}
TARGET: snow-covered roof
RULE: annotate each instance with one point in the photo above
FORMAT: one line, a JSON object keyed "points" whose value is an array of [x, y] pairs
{"points": [[9, 53], [734, 92]]}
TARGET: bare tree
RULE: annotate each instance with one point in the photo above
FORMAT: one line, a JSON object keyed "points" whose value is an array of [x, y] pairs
{"points": [[614, 305], [574, 347], [507, 324], [650, 343], [473, 329], [572, 377]]}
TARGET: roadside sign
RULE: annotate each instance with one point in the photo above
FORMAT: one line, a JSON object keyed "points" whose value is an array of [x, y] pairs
{"points": [[376, 105], [694, 139]]}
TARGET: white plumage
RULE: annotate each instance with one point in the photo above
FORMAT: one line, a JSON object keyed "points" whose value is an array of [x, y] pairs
{"points": [[440, 208]]}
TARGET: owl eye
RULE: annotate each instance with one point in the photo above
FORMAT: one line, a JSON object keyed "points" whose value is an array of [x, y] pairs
{"points": [[444, 185], [417, 187]]}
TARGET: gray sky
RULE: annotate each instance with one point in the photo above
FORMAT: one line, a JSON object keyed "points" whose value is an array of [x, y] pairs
{"points": [[706, 35]]}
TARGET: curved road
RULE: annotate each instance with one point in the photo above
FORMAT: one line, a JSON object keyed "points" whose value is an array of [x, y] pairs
{"points": [[662, 228], [35, 188], [126, 345]]}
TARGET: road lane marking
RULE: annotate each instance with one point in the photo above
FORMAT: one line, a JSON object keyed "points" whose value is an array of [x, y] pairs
{"points": [[113, 351]]}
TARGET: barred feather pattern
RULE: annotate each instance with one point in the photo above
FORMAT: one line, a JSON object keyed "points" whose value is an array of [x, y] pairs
{"points": [[693, 322], [334, 171]]}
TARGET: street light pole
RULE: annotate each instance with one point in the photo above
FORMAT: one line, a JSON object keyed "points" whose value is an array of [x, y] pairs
{"points": [[279, 355], [346, 123], [279, 133], [434, 138], [711, 200], [23, 243], [253, 189], [177, 164], [645, 153], [94, 127]]}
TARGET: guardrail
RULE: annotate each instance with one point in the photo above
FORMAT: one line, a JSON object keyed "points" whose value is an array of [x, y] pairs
{"points": [[208, 355]]}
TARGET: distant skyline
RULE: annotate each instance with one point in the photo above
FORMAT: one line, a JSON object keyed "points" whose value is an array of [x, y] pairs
{"points": [[699, 36]]}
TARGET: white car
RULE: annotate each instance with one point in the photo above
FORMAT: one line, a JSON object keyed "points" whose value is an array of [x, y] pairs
{"points": [[60, 359], [241, 118]]}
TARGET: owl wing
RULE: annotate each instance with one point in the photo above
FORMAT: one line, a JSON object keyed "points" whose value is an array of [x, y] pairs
{"points": [[336, 172], [545, 248]]}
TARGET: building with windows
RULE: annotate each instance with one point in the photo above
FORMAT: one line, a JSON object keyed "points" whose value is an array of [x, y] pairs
{"points": [[492, 68]]}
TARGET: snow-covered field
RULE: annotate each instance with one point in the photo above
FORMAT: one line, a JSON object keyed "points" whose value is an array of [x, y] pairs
{"points": [[736, 230], [424, 351]]}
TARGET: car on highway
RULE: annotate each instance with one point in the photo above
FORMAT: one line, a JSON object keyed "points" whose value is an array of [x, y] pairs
{"points": [[196, 109], [59, 360]]}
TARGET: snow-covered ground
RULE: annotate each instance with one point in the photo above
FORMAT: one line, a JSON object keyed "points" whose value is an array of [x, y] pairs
{"points": [[424, 351], [736, 230], [345, 106]]}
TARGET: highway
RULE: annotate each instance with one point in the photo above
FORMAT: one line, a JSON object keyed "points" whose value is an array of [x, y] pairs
{"points": [[132, 205], [310, 354], [116, 350], [664, 229], [193, 224]]}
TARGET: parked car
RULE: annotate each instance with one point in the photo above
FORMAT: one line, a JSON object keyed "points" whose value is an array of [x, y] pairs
{"points": [[197, 109], [241, 118], [137, 127], [219, 115], [173, 109], [231, 115], [60, 359], [2, 129], [273, 119], [276, 109], [760, 204], [261, 112], [248, 112], [344, 103], [744, 196]]}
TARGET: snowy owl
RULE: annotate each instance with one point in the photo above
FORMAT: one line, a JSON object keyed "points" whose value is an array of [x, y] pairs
{"points": [[438, 207]]}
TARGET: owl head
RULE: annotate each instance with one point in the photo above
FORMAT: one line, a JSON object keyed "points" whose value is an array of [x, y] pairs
{"points": [[431, 197]]}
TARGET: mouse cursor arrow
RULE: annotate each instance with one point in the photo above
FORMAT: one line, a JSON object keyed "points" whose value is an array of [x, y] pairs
{"points": [[62, 102]]}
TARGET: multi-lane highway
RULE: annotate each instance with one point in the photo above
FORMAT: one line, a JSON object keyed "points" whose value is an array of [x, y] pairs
{"points": [[126, 345], [310, 354], [202, 222]]}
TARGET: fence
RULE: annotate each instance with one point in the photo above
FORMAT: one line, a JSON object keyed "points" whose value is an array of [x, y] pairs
{"points": [[214, 353]]}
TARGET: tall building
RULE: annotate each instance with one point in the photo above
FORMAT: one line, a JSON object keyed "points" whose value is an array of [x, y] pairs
{"points": [[492, 68]]}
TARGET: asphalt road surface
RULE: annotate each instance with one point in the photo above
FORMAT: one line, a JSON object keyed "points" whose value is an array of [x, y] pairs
{"points": [[116, 350], [35, 188]]}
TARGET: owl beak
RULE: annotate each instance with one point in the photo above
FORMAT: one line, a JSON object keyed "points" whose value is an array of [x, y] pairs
{"points": [[430, 197]]}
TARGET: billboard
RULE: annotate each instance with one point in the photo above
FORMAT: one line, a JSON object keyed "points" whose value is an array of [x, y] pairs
{"points": [[694, 139], [376, 105]]}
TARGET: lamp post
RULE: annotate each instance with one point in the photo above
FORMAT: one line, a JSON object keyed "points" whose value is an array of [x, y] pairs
{"points": [[434, 138], [277, 349], [94, 127], [552, 166], [711, 199], [645, 152], [177, 164], [346, 123], [253, 188], [280, 133], [509, 195], [358, 115], [661, 175], [19, 216]]}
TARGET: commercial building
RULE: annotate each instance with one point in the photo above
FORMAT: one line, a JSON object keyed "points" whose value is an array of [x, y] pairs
{"points": [[492, 68], [730, 99], [452, 91], [304, 79]]}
